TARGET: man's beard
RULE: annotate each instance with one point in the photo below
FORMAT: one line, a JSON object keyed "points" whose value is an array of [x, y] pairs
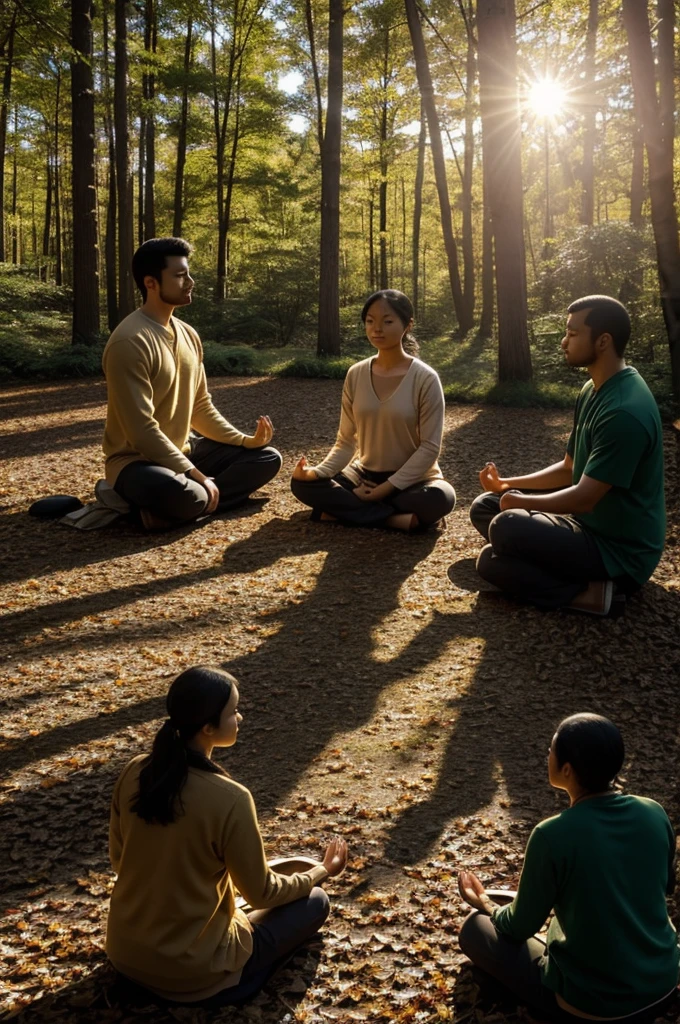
{"points": [[183, 301]]}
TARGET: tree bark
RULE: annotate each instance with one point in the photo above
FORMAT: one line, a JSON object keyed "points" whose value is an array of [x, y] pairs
{"points": [[58, 240], [329, 265], [384, 163], [47, 222], [126, 294], [588, 170], [427, 94], [418, 210], [485, 329], [178, 215], [110, 235], [7, 53], [501, 140], [659, 158], [149, 90], [84, 186], [467, 175], [14, 231]]}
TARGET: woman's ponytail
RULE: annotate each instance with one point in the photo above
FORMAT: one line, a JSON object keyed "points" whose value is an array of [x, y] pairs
{"points": [[197, 697]]}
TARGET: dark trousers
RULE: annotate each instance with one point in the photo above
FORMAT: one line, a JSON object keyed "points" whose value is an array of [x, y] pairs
{"points": [[540, 557], [277, 934], [430, 501], [237, 472], [518, 967]]}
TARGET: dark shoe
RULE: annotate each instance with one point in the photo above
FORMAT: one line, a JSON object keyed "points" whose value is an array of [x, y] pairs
{"points": [[596, 599]]}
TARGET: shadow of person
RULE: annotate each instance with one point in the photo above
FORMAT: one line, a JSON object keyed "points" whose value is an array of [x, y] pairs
{"points": [[535, 669], [317, 675]]}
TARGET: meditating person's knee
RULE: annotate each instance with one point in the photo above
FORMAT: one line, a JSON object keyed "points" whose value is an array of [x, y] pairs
{"points": [[441, 500], [471, 937], [506, 528], [319, 906]]}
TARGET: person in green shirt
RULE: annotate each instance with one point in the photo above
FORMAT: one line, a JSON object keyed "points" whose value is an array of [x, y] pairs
{"points": [[596, 528], [603, 867]]}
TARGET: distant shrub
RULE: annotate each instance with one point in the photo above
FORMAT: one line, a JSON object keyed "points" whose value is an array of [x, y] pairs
{"points": [[230, 360], [33, 361], [315, 366]]}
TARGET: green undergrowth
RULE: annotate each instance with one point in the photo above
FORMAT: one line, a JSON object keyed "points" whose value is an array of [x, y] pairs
{"points": [[35, 345]]}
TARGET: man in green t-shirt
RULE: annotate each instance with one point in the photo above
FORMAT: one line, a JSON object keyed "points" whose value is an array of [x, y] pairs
{"points": [[597, 527]]}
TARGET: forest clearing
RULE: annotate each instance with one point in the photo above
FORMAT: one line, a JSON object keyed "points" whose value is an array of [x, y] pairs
{"points": [[384, 699]]}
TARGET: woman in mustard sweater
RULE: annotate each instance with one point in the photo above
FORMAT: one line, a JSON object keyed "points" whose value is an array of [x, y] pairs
{"points": [[183, 838], [604, 867], [383, 467]]}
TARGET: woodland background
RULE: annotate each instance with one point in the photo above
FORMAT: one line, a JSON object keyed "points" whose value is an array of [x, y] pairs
{"points": [[492, 162]]}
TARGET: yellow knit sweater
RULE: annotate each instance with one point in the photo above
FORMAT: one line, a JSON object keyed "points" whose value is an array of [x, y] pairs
{"points": [[157, 392]]}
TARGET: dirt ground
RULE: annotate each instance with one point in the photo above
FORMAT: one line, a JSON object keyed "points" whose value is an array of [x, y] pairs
{"points": [[382, 700]]}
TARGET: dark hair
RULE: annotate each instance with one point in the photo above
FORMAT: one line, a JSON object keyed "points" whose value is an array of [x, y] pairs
{"points": [[605, 316], [401, 304], [150, 259], [196, 697], [593, 746]]}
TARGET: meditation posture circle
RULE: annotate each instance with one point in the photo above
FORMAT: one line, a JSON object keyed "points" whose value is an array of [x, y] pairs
{"points": [[603, 867], [382, 470], [184, 838]]}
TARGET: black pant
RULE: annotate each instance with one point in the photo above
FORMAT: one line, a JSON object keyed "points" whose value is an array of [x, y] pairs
{"points": [[173, 496], [276, 934], [518, 966], [543, 558], [430, 500]]}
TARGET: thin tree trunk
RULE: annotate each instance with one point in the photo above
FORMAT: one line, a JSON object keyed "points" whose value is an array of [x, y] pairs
{"points": [[418, 208], [371, 245], [84, 185], [659, 159], [126, 295], [110, 235], [15, 227], [384, 165], [501, 137], [467, 245], [7, 53], [178, 216], [58, 241], [149, 88], [486, 319], [637, 177], [588, 171], [329, 264], [231, 171], [427, 94]]}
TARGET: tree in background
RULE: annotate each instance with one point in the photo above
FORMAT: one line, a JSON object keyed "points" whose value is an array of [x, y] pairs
{"points": [[501, 140]]}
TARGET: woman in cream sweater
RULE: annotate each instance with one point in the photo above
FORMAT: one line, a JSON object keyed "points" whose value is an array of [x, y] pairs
{"points": [[383, 470], [183, 838]]}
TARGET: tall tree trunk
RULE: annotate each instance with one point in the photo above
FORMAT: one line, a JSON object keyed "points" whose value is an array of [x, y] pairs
{"points": [[418, 209], [329, 266], [56, 177], [637, 176], [659, 158], [178, 215], [84, 185], [6, 53], [231, 171], [588, 171], [427, 94], [384, 279], [468, 165], [501, 138], [149, 90], [486, 319], [221, 116], [112, 317], [126, 294], [15, 225], [47, 222], [371, 244]]}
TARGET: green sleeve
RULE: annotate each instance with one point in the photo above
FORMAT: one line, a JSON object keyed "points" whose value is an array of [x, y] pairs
{"points": [[619, 441], [535, 897]]}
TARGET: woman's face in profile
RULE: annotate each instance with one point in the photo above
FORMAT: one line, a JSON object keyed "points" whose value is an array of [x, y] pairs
{"points": [[384, 329]]}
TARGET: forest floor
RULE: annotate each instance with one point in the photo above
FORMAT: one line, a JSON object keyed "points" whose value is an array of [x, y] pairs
{"points": [[384, 699]]}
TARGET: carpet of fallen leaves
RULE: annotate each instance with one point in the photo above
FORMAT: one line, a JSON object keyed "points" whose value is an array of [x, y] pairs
{"points": [[383, 699]]}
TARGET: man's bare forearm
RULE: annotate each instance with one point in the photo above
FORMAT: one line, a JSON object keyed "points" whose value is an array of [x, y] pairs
{"points": [[549, 479]]}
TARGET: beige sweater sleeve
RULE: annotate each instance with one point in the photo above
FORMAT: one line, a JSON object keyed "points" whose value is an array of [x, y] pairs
{"points": [[128, 378], [345, 446], [430, 429], [205, 418], [245, 860]]}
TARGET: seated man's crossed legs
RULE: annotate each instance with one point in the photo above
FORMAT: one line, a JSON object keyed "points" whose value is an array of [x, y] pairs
{"points": [[174, 498], [542, 558]]}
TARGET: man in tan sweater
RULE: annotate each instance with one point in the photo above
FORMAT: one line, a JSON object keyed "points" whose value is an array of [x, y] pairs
{"points": [[158, 395]]}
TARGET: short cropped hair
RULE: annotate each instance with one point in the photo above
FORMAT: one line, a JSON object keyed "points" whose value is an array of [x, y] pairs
{"points": [[605, 316], [593, 746], [150, 260]]}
